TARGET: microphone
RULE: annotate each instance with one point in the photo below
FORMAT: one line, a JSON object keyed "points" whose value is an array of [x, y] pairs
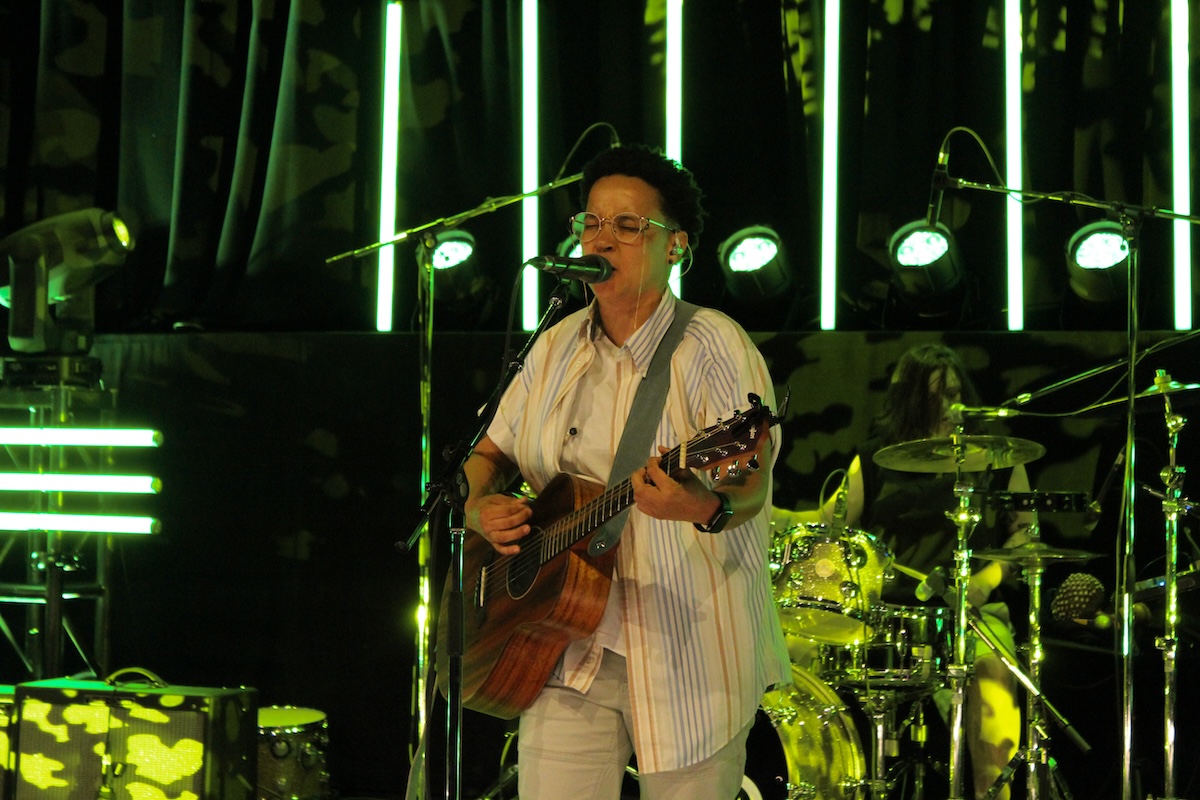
{"points": [[589, 269], [958, 410], [934, 585], [1096, 507], [937, 190]]}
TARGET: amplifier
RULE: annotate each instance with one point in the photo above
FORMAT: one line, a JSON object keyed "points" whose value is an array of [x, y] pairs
{"points": [[83, 740]]}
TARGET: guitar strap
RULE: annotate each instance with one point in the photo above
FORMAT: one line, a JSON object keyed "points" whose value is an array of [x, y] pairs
{"points": [[643, 420]]}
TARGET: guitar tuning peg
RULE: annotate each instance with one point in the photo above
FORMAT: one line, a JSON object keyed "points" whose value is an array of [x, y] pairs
{"points": [[715, 473], [733, 470], [752, 464]]}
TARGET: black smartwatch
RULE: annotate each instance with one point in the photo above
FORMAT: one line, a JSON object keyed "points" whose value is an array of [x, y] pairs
{"points": [[717, 523]]}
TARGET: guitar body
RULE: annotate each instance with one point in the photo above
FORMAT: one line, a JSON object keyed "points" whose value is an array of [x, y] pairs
{"points": [[513, 637]]}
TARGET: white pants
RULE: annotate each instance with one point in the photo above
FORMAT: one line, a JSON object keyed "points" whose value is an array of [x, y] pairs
{"points": [[578, 745]]}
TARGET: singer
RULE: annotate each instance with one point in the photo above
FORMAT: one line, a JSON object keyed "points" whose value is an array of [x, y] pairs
{"points": [[688, 628], [907, 512]]}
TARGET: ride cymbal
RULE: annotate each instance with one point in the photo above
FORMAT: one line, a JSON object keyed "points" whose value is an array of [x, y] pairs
{"points": [[942, 455]]}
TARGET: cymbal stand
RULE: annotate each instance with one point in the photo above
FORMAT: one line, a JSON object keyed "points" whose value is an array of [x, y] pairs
{"points": [[1042, 779], [1172, 477], [965, 519]]}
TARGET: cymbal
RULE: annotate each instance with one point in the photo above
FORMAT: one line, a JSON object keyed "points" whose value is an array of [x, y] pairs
{"points": [[938, 455], [1170, 387], [1032, 553], [1037, 501]]}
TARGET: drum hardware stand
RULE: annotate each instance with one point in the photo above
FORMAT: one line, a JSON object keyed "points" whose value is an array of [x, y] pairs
{"points": [[881, 706], [964, 518], [881, 710], [1172, 477], [1042, 779]]}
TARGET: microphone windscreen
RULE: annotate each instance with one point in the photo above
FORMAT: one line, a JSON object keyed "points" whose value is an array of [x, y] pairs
{"points": [[1079, 597]]}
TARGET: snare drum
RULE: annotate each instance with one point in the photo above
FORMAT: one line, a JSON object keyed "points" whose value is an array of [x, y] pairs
{"points": [[803, 744], [826, 584], [910, 649], [291, 754]]}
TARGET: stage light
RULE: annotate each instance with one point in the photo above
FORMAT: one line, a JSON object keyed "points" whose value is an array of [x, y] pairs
{"points": [[755, 264], [54, 266], [569, 247], [1098, 261], [79, 523], [81, 437], [62, 482], [450, 248], [925, 263]]}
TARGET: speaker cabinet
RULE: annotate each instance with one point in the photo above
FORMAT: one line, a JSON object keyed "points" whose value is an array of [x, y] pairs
{"points": [[87, 740]]}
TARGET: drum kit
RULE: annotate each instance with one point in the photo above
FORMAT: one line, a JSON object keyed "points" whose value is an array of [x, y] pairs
{"points": [[884, 661]]}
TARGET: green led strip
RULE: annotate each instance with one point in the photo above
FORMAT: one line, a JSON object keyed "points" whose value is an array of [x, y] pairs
{"points": [[77, 523], [81, 437], [1014, 216], [673, 111], [829, 166], [389, 166], [531, 307], [63, 482], [1181, 161]]}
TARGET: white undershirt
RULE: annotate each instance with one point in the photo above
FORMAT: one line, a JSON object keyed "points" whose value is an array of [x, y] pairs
{"points": [[589, 451]]}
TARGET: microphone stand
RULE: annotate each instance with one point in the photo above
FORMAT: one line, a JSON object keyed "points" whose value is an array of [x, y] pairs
{"points": [[1130, 217], [426, 287], [451, 488], [453, 221]]}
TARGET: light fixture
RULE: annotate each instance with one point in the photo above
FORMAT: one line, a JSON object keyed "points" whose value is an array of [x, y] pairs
{"points": [[1097, 261], [449, 248], [80, 523], [63, 482], [925, 264], [754, 264], [569, 247], [81, 437], [54, 266]]}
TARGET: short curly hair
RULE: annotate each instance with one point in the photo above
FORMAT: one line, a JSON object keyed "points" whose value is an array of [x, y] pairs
{"points": [[676, 184]]}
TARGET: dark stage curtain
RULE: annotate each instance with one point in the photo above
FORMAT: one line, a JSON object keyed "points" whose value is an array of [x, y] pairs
{"points": [[240, 140]]}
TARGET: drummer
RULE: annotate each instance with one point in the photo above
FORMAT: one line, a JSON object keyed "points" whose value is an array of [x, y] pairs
{"points": [[907, 512]]}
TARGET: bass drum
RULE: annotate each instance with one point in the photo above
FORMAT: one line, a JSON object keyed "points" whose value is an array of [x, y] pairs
{"points": [[803, 745]]}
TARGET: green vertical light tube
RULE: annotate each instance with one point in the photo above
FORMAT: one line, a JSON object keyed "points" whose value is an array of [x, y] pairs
{"points": [[829, 165], [1014, 210], [530, 241], [1181, 163], [673, 113], [389, 166]]}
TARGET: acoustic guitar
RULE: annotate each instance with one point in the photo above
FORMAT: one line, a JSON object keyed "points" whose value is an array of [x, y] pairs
{"points": [[521, 611]]}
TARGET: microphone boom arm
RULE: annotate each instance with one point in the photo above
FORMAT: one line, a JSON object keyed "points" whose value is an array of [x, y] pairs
{"points": [[453, 221]]}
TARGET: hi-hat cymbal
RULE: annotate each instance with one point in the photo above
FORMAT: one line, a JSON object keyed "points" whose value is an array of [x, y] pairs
{"points": [[1034, 553], [940, 455]]}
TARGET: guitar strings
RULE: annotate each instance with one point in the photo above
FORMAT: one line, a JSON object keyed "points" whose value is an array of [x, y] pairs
{"points": [[548, 542]]}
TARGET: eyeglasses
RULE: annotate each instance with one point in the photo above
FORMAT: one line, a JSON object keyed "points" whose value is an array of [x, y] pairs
{"points": [[627, 227]]}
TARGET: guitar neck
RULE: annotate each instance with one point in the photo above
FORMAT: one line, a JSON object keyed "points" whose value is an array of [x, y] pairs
{"points": [[575, 526]]}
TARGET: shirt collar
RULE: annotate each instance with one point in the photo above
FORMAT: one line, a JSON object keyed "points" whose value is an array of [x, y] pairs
{"points": [[644, 341]]}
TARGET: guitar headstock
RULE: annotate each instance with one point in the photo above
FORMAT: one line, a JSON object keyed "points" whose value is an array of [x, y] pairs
{"points": [[735, 439]]}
